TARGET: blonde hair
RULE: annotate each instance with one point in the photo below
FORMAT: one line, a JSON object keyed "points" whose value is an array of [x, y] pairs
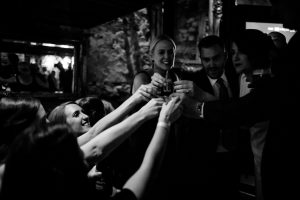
{"points": [[158, 39]]}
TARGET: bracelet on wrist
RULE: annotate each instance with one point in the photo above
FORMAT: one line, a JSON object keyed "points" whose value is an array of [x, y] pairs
{"points": [[164, 124]]}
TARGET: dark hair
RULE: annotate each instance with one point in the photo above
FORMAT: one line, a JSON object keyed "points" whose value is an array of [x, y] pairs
{"points": [[210, 41], [17, 115], [93, 107], [279, 39], [256, 45], [47, 162], [279, 35], [158, 39], [57, 115]]}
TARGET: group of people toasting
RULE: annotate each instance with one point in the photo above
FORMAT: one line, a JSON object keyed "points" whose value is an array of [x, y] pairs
{"points": [[177, 135], [235, 93], [204, 163]]}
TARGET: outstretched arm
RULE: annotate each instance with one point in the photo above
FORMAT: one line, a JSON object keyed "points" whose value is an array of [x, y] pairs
{"points": [[192, 90], [144, 93], [104, 143], [144, 176]]}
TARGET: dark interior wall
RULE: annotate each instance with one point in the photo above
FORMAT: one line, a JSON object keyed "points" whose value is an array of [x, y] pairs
{"points": [[233, 20], [236, 16], [169, 17]]}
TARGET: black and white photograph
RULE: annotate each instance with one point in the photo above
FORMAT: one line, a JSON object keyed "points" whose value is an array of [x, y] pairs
{"points": [[149, 99]]}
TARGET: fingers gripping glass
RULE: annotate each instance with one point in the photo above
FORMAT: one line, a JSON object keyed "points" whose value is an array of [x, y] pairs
{"points": [[167, 88]]}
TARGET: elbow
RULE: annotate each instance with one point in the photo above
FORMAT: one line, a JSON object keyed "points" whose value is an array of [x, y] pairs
{"points": [[94, 155]]}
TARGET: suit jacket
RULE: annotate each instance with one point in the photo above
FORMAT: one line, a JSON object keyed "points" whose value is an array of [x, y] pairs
{"points": [[196, 143], [202, 81], [254, 107], [275, 99]]}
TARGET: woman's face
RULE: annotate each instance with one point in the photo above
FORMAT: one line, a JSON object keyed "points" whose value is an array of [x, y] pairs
{"points": [[240, 60], [163, 55], [76, 119]]}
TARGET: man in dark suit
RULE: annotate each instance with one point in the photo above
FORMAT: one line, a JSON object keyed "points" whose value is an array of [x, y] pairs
{"points": [[276, 100], [205, 140]]}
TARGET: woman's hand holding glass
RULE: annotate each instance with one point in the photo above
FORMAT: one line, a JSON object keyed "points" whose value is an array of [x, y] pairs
{"points": [[152, 108], [144, 93], [185, 86], [157, 80], [171, 110], [164, 85], [190, 89]]}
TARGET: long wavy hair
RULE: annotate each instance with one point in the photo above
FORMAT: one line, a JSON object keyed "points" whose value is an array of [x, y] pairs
{"points": [[17, 115], [46, 162]]}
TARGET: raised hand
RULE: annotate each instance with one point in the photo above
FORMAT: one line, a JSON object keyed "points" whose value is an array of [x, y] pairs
{"points": [[171, 110], [188, 104], [152, 108], [144, 93], [157, 80], [190, 89]]}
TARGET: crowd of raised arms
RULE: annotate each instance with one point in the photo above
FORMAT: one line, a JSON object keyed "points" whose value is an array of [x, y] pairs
{"points": [[177, 136]]}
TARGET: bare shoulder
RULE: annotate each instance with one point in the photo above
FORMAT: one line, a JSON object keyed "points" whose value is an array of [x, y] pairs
{"points": [[142, 77]]}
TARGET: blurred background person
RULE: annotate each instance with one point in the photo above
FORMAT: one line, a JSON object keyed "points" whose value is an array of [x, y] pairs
{"points": [[17, 116], [8, 72], [280, 43]]}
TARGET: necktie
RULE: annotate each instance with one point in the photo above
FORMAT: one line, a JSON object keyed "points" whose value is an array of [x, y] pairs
{"points": [[223, 92], [227, 135]]}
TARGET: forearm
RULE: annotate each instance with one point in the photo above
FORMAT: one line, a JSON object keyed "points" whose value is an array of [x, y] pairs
{"points": [[109, 120], [204, 96], [104, 143], [139, 182]]}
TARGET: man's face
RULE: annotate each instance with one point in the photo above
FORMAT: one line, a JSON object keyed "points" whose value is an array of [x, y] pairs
{"points": [[213, 60]]}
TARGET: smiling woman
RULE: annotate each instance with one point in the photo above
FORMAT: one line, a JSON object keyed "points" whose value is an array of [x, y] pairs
{"points": [[162, 53], [71, 113], [77, 120], [89, 138]]}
